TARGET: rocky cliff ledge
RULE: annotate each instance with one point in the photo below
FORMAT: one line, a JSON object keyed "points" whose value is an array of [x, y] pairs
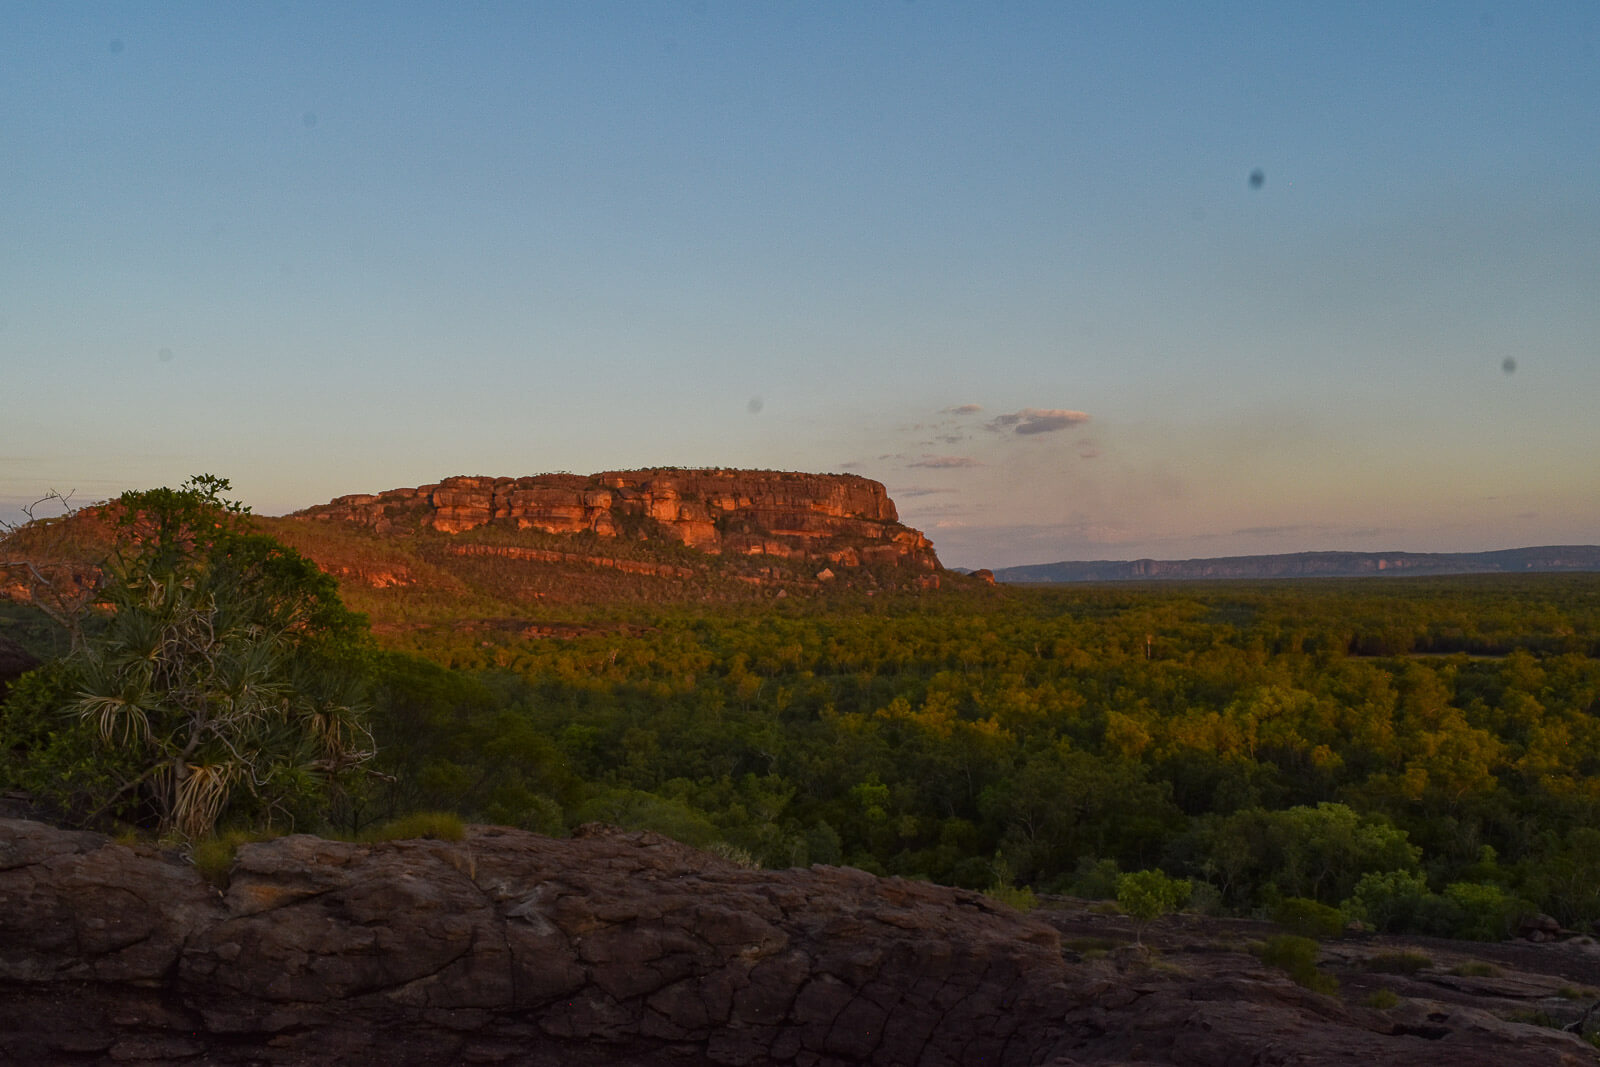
{"points": [[842, 519], [625, 949]]}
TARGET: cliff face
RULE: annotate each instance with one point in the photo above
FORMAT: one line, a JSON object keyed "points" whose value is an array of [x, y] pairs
{"points": [[839, 519], [628, 949]]}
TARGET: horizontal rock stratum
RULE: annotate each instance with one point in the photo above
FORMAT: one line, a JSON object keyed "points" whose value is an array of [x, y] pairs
{"points": [[622, 949], [842, 519]]}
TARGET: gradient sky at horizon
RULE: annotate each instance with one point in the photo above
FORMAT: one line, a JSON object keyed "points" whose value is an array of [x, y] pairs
{"points": [[1009, 259]]}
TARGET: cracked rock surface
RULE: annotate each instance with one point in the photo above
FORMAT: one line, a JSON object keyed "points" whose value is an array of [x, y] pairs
{"points": [[613, 948]]}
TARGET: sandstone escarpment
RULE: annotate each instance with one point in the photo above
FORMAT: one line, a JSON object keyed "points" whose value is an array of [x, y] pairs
{"points": [[839, 519]]}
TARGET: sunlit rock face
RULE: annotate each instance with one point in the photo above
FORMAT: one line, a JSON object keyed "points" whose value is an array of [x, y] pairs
{"points": [[842, 519]]}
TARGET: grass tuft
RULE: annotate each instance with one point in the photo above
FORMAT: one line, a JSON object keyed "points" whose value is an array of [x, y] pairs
{"points": [[1475, 969], [1398, 963], [1022, 899], [1309, 918], [1381, 999], [430, 825], [1297, 956], [213, 856]]}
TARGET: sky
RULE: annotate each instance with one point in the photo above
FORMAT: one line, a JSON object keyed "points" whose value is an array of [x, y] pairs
{"points": [[1073, 280]]}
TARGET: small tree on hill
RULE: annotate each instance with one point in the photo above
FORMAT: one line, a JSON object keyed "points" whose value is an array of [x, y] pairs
{"points": [[48, 562], [1147, 895]]}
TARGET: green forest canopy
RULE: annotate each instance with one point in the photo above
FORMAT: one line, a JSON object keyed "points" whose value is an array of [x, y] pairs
{"points": [[1268, 741], [1424, 753]]}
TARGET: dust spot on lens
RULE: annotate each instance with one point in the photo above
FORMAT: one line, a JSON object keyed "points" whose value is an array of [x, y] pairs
{"points": [[1509, 365], [755, 405], [1258, 178], [165, 355], [309, 119], [116, 46]]}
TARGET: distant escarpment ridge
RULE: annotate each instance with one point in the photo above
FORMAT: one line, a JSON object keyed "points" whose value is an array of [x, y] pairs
{"points": [[1314, 565], [553, 536]]}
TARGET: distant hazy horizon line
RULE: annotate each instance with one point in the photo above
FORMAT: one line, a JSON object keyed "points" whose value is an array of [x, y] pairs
{"points": [[1522, 560]]}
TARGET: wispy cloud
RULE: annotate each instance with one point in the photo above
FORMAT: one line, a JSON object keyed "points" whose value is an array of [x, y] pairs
{"points": [[963, 409], [1274, 531], [1301, 530], [919, 490], [945, 462], [1038, 420]]}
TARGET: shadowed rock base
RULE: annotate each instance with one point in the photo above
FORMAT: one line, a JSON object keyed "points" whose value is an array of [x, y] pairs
{"points": [[610, 948]]}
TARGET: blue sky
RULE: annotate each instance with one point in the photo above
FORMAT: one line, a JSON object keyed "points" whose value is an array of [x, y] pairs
{"points": [[1006, 258]]}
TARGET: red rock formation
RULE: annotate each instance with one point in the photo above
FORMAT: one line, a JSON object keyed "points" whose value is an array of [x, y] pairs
{"points": [[841, 519]]}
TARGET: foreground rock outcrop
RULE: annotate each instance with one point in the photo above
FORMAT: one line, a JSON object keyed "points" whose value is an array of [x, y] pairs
{"points": [[610, 948], [619, 948]]}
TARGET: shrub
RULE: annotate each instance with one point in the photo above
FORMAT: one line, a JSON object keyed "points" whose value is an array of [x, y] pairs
{"points": [[1309, 918], [431, 825], [1409, 962], [1394, 900], [222, 681], [1381, 999], [213, 856], [739, 857], [1480, 912], [1297, 956], [1205, 899], [1094, 879], [1018, 899], [1475, 969], [1289, 952], [1148, 895]]}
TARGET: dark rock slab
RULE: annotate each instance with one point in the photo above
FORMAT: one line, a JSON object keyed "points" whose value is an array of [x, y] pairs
{"points": [[622, 949]]}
